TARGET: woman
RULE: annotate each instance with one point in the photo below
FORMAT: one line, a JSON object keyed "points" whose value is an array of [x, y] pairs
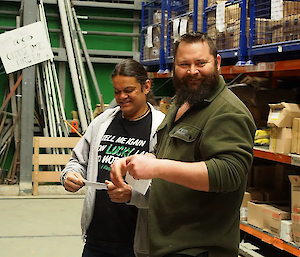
{"points": [[130, 128]]}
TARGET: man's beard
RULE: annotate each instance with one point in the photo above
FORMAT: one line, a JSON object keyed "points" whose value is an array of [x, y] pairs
{"points": [[194, 95]]}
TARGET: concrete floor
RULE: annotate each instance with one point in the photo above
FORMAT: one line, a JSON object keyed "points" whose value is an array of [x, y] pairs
{"points": [[43, 226]]}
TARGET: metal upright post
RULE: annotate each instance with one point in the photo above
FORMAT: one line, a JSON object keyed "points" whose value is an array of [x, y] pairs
{"points": [[204, 29], [242, 54], [142, 32], [251, 32], [27, 120], [195, 16], [162, 38]]}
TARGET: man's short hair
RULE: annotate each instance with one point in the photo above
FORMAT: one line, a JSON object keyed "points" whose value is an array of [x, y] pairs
{"points": [[194, 37]]}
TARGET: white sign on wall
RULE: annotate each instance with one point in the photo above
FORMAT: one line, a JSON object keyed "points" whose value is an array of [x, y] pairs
{"points": [[276, 10], [220, 16], [24, 47]]}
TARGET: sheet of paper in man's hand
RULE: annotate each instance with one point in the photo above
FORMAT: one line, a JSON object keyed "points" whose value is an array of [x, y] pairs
{"points": [[140, 185], [95, 185]]}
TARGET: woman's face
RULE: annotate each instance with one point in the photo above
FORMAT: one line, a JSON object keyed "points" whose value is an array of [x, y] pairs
{"points": [[131, 96]]}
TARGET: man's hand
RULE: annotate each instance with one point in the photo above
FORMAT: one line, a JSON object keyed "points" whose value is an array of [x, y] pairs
{"points": [[73, 181], [142, 166], [118, 194], [138, 166], [118, 170]]}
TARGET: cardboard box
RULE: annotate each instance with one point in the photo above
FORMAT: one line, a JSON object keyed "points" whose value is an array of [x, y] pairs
{"points": [[277, 31], [296, 227], [220, 40], [280, 140], [295, 135], [272, 217], [244, 206], [249, 196], [263, 31], [282, 114], [291, 27], [286, 230], [295, 193], [290, 8], [295, 147], [255, 213], [232, 39]]}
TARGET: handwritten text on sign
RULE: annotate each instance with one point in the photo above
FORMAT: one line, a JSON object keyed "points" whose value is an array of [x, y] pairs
{"points": [[25, 46]]}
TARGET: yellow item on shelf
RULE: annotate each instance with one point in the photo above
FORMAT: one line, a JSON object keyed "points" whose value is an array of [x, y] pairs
{"points": [[262, 137]]}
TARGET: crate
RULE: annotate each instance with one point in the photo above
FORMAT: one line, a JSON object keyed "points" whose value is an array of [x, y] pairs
{"points": [[275, 30], [57, 157], [151, 33], [231, 41], [160, 17], [181, 20]]}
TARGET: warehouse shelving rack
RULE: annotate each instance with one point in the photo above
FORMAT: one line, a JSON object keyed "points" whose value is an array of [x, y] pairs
{"points": [[232, 42], [158, 17], [270, 239], [179, 12], [271, 36], [273, 70], [153, 21]]}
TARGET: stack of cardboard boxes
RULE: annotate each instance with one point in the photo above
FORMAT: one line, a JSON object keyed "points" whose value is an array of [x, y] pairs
{"points": [[274, 218], [295, 204], [269, 209], [280, 120], [274, 214]]}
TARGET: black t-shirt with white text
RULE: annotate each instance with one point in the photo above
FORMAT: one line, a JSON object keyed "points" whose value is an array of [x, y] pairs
{"points": [[114, 223]]}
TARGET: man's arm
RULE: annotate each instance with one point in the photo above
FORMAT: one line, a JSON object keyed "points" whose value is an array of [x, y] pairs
{"points": [[192, 175]]}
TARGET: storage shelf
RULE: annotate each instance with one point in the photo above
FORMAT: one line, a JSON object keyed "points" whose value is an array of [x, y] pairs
{"points": [[278, 69], [270, 239], [264, 153], [156, 75]]}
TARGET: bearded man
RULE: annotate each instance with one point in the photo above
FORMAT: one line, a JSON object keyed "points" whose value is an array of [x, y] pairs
{"points": [[200, 163]]}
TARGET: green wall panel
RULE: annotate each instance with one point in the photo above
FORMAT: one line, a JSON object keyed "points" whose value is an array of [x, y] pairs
{"points": [[103, 74], [112, 43]]}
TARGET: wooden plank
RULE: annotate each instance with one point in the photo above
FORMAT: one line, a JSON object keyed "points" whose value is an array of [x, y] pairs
{"points": [[35, 167], [57, 142], [53, 159], [48, 176]]}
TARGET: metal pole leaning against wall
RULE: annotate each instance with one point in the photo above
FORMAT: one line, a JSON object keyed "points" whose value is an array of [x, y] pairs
{"points": [[87, 57], [55, 88], [79, 62], [71, 61]]}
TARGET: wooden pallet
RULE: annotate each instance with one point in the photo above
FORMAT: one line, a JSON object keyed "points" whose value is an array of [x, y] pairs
{"points": [[49, 159]]}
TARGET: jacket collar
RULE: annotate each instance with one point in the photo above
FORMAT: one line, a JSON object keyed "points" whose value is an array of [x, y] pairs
{"points": [[217, 90]]}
